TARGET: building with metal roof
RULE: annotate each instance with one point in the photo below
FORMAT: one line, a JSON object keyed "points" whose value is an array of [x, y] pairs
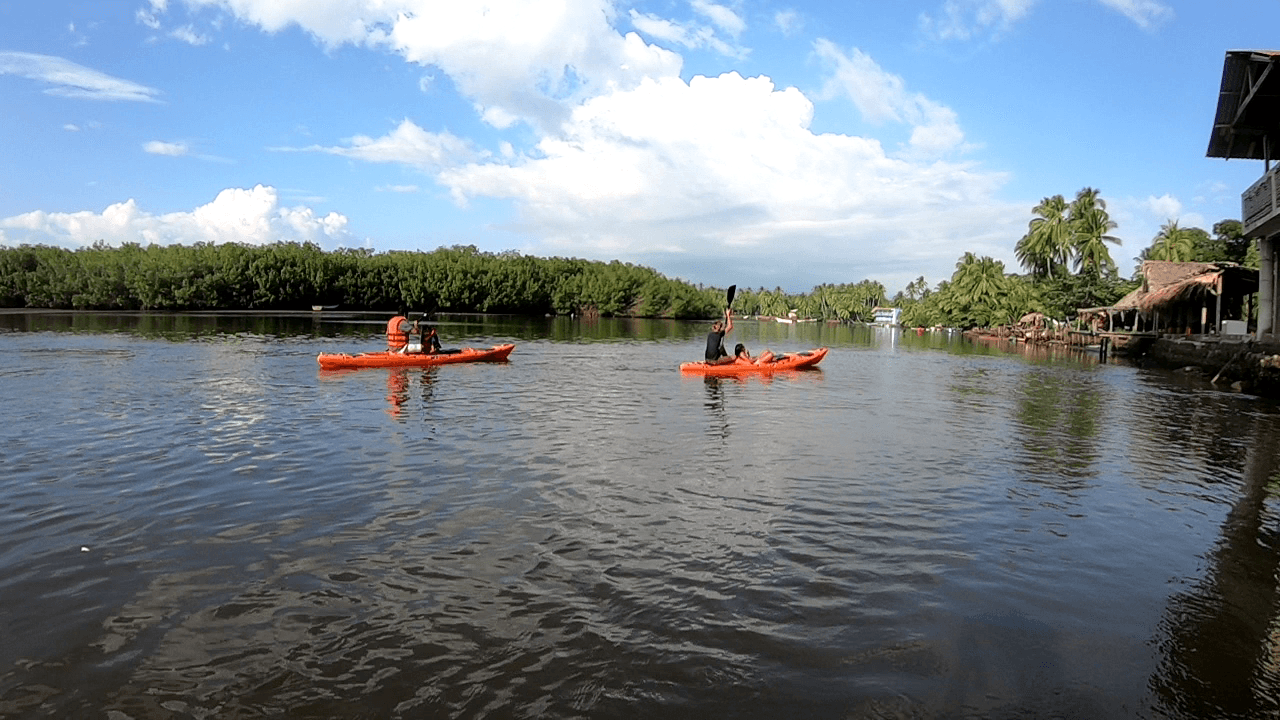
{"points": [[1247, 126]]}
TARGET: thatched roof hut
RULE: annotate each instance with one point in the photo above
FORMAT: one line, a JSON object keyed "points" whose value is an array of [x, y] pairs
{"points": [[1032, 319], [1166, 283]]}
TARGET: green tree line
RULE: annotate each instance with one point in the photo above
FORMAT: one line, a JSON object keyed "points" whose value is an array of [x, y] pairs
{"points": [[292, 276], [1065, 254], [1067, 259]]}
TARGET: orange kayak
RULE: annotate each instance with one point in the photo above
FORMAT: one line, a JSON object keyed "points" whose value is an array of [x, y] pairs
{"points": [[785, 361], [336, 361]]}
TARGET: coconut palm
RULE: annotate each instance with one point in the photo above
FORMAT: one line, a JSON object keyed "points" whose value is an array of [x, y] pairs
{"points": [[1172, 243], [1044, 250], [1090, 225]]}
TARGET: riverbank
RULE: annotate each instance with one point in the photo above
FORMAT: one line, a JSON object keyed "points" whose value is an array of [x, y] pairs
{"points": [[1239, 362]]}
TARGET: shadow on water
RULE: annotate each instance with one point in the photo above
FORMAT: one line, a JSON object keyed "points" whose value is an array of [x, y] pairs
{"points": [[1220, 641]]}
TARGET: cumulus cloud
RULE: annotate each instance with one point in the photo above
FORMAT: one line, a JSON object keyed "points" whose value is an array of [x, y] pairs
{"points": [[635, 163], [253, 216], [516, 60], [728, 167], [881, 96], [71, 80], [1165, 206]]}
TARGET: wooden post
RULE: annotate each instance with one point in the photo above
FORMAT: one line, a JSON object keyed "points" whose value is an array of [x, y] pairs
{"points": [[1218, 310]]}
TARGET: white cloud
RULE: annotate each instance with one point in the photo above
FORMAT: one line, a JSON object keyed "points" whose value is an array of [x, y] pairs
{"points": [[1165, 206], [727, 167], [188, 34], [71, 127], [252, 216], [881, 96], [526, 60], [967, 19], [71, 80], [689, 35], [720, 16], [397, 188], [1146, 14], [147, 18], [788, 21], [156, 147], [963, 19], [408, 144]]}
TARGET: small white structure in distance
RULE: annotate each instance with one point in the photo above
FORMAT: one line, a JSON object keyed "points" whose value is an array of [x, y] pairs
{"points": [[887, 316]]}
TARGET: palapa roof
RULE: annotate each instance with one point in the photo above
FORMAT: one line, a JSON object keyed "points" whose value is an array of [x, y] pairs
{"points": [[1034, 319], [1168, 282]]}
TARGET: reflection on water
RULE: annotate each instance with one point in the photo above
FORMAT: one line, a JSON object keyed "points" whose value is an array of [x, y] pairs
{"points": [[1219, 636], [201, 523]]}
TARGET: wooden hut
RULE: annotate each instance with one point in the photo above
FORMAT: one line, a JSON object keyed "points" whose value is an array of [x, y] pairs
{"points": [[1186, 298]]}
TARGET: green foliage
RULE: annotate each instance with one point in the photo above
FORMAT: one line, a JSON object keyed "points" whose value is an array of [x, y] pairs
{"points": [[979, 294], [1091, 227], [1046, 247], [286, 276], [1062, 297], [1178, 244], [1061, 234]]}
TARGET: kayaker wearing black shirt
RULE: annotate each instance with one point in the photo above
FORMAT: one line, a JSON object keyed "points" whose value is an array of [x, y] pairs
{"points": [[715, 353]]}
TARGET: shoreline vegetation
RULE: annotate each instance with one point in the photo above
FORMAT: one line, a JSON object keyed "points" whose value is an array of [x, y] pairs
{"points": [[1065, 253], [458, 279]]}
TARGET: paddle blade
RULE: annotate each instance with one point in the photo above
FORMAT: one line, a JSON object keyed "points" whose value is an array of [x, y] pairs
{"points": [[728, 296]]}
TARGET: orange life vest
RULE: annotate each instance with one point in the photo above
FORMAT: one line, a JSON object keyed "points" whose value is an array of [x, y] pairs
{"points": [[396, 336]]}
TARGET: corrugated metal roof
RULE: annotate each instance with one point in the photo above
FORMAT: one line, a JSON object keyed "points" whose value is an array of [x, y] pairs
{"points": [[1248, 107]]}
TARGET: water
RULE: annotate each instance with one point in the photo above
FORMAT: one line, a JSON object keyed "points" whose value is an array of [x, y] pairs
{"points": [[199, 523]]}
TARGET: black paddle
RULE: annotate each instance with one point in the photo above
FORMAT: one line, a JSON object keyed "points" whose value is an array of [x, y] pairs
{"points": [[728, 299]]}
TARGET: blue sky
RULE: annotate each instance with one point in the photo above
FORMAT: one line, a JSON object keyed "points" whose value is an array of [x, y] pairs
{"points": [[758, 143]]}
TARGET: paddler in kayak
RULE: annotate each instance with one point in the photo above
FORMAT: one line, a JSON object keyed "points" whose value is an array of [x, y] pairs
{"points": [[430, 341], [422, 338], [715, 354], [741, 355]]}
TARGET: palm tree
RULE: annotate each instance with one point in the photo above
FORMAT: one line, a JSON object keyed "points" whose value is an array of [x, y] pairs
{"points": [[1172, 243], [1090, 226], [1044, 250], [976, 291]]}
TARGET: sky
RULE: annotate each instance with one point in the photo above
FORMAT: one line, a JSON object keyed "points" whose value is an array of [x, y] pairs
{"points": [[751, 142]]}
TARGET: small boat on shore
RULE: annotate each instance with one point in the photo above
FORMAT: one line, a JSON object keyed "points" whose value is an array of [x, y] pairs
{"points": [[784, 361], [385, 359]]}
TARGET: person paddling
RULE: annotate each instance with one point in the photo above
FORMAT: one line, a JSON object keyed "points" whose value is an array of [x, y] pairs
{"points": [[716, 354], [430, 341]]}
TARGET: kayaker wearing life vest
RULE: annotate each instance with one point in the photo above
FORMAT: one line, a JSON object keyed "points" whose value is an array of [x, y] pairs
{"points": [[397, 333], [715, 354]]}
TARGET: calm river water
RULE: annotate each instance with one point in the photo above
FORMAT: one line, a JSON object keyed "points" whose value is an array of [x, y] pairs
{"points": [[197, 522]]}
